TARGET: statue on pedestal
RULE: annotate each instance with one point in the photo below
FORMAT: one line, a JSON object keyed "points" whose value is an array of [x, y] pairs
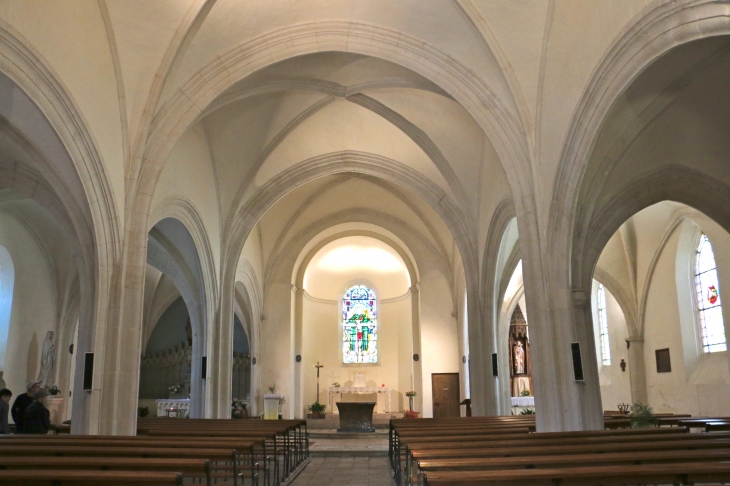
{"points": [[48, 361]]}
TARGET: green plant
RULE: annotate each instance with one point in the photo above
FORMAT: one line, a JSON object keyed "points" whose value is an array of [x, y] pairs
{"points": [[525, 393], [528, 411], [143, 411], [316, 407], [642, 416]]}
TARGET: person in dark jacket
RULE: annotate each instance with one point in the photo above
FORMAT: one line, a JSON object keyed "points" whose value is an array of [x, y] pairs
{"points": [[5, 396], [37, 418], [22, 403]]}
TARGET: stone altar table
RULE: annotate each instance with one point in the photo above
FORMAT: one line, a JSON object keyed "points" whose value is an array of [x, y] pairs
{"points": [[356, 416], [360, 390], [175, 404]]}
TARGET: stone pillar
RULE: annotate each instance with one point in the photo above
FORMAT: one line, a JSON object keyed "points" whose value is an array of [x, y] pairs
{"points": [[220, 358], [298, 396], [417, 366], [558, 317], [637, 369]]}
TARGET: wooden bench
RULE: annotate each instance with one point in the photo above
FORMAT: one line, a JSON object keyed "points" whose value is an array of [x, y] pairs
{"points": [[230, 460], [61, 477], [675, 473], [469, 453]]}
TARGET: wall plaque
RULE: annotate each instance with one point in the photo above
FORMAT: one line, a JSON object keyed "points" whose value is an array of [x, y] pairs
{"points": [[663, 362]]}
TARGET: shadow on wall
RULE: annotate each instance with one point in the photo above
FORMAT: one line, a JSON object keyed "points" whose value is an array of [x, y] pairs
{"points": [[33, 358]]}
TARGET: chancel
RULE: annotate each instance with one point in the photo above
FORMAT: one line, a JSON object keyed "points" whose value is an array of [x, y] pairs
{"points": [[203, 202]]}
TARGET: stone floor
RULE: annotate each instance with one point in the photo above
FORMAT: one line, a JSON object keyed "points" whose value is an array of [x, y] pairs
{"points": [[331, 443], [345, 471]]}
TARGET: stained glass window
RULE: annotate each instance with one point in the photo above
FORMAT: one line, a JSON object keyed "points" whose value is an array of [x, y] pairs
{"points": [[603, 326], [708, 298], [360, 326]]}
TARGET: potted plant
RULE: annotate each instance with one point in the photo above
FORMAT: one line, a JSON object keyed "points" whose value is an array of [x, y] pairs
{"points": [[642, 416], [317, 410], [528, 411], [54, 390], [143, 411]]}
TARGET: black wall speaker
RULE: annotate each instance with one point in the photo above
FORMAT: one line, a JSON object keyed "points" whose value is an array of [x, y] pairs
{"points": [[88, 371], [495, 372], [577, 361], [204, 367]]}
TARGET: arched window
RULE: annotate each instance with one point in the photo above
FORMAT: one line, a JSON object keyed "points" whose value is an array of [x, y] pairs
{"points": [[709, 304], [360, 326], [603, 326]]}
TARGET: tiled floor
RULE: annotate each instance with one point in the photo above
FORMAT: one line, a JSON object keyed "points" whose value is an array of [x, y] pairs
{"points": [[345, 471]]}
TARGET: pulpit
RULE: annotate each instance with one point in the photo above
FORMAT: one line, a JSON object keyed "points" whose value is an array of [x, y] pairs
{"points": [[356, 416], [272, 406]]}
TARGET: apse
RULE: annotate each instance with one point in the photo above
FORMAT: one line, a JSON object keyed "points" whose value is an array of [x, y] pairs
{"points": [[351, 278]]}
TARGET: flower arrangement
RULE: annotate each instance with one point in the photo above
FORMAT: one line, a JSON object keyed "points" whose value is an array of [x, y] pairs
{"points": [[238, 409], [525, 393], [411, 393], [175, 388], [272, 388], [143, 411], [336, 385], [410, 414], [54, 390]]}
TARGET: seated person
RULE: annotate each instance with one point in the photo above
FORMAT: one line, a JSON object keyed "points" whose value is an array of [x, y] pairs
{"points": [[37, 419], [22, 403], [5, 396]]}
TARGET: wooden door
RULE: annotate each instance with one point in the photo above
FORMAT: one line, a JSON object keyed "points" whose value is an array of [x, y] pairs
{"points": [[446, 393]]}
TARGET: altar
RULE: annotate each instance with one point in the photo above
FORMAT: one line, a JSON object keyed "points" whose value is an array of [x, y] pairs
{"points": [[180, 405], [379, 391], [521, 403]]}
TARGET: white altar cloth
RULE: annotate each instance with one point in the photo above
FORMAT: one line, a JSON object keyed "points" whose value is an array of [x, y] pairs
{"points": [[178, 404], [360, 390], [523, 401]]}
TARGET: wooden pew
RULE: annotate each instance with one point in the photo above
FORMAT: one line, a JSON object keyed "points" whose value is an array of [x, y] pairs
{"points": [[675, 473], [44, 477], [229, 459], [188, 468]]}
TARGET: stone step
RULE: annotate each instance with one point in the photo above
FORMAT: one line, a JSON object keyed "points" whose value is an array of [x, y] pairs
{"points": [[377, 435]]}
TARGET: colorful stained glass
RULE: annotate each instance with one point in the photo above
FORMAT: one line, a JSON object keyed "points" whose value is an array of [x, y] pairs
{"points": [[603, 326], [709, 303], [360, 326]]}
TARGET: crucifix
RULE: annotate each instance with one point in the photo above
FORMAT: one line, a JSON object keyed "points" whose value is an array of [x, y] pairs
{"points": [[318, 366]]}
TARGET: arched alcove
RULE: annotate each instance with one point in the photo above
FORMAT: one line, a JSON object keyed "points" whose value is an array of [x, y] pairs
{"points": [[7, 279], [181, 328], [330, 272], [655, 280]]}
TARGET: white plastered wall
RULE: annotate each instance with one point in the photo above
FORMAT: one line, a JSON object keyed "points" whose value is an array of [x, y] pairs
{"points": [[34, 305], [615, 383]]}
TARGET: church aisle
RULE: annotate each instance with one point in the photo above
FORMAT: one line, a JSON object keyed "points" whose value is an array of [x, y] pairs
{"points": [[345, 471]]}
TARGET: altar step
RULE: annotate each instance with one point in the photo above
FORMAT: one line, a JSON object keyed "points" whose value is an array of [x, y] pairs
{"points": [[332, 421], [330, 443]]}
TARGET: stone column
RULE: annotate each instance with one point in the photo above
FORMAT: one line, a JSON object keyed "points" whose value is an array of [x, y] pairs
{"points": [[417, 366], [559, 316], [637, 369], [220, 358], [298, 400]]}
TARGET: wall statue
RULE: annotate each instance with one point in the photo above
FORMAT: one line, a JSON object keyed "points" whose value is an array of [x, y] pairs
{"points": [[48, 361], [519, 355]]}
